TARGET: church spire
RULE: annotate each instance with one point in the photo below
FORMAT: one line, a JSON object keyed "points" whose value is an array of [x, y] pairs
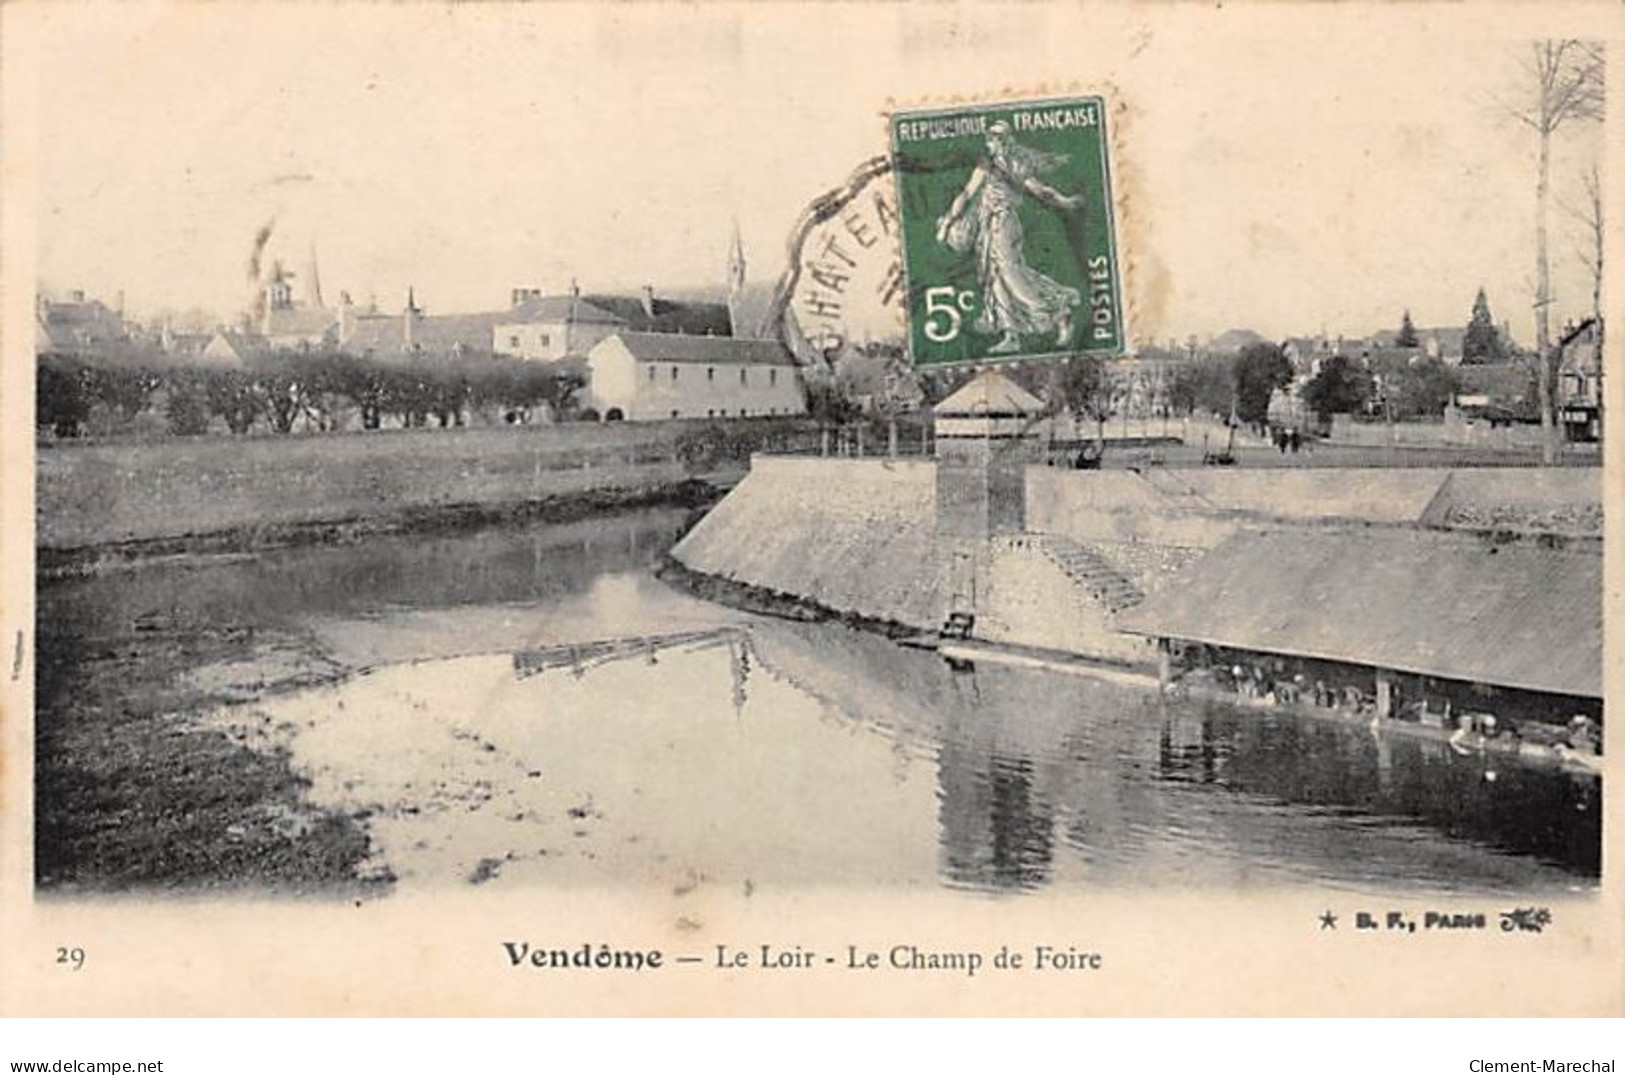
{"points": [[313, 281], [736, 262], [736, 283]]}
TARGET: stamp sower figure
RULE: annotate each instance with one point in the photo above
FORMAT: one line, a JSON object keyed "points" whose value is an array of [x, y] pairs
{"points": [[1016, 298]]}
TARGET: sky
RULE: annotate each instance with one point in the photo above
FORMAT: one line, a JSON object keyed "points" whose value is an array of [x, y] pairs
{"points": [[1286, 169]]}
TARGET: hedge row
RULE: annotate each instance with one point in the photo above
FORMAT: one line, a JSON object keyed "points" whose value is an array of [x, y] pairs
{"points": [[284, 392]]}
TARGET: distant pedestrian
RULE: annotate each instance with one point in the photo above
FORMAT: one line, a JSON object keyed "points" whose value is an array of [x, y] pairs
{"points": [[1582, 733]]}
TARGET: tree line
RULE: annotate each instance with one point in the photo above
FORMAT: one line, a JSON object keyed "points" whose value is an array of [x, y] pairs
{"points": [[1417, 387], [1239, 384], [1401, 386], [287, 392]]}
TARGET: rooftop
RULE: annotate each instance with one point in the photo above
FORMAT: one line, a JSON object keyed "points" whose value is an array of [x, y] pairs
{"points": [[438, 334], [990, 394], [300, 321], [705, 350], [651, 313], [550, 308], [1513, 615]]}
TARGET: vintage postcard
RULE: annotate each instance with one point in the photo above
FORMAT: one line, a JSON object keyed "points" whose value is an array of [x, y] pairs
{"points": [[820, 509]]}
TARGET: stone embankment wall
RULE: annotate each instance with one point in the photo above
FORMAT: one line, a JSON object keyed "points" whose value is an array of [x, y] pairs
{"points": [[857, 535], [1560, 500], [1030, 600], [851, 535]]}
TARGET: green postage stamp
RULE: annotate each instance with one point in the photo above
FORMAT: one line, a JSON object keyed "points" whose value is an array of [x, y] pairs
{"points": [[1009, 245]]}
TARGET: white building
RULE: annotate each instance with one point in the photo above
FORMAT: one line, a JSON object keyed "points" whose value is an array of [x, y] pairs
{"points": [[647, 376], [548, 327]]}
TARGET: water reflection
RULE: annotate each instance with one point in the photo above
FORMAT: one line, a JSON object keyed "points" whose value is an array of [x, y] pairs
{"points": [[1046, 779], [497, 565], [663, 738], [792, 754], [1485, 799], [997, 830]]}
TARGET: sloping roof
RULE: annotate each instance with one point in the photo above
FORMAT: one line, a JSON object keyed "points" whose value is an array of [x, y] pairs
{"points": [[1501, 381], [551, 308], [447, 332], [93, 313], [442, 333], [1583, 329], [374, 333], [234, 346], [752, 306], [76, 325], [990, 393], [1580, 351], [1514, 615], [300, 321], [188, 343], [1449, 340], [707, 350], [667, 315], [43, 339]]}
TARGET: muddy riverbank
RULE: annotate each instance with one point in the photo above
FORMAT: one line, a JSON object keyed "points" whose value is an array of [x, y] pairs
{"points": [[134, 791]]}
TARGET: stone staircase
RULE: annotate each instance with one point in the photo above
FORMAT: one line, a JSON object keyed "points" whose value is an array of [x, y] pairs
{"points": [[1089, 569]]}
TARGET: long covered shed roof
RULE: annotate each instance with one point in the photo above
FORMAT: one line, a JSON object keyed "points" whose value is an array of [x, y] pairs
{"points": [[1514, 615]]}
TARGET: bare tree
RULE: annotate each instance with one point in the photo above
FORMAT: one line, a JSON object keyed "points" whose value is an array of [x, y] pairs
{"points": [[1565, 80], [1588, 214]]}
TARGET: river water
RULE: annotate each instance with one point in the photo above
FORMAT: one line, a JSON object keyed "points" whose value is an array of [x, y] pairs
{"points": [[533, 706]]}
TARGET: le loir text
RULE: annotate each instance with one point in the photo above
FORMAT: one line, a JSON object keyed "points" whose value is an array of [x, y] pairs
{"points": [[1042, 958]]}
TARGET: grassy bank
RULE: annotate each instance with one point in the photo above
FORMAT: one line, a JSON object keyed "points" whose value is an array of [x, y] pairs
{"points": [[130, 793], [125, 493], [557, 507], [138, 788]]}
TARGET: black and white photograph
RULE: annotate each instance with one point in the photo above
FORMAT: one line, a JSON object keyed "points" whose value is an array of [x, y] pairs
{"points": [[817, 509]]}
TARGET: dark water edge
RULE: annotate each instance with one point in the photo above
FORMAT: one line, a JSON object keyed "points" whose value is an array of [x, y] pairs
{"points": [[765, 602]]}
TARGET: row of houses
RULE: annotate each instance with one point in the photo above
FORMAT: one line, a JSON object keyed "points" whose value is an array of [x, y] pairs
{"points": [[1502, 392], [1444, 344], [643, 356]]}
